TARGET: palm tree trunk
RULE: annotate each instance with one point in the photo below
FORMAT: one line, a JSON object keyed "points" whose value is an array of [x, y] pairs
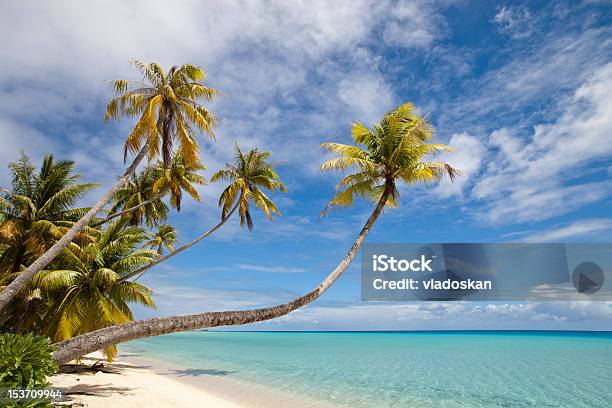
{"points": [[79, 346], [10, 291], [120, 213], [145, 268]]}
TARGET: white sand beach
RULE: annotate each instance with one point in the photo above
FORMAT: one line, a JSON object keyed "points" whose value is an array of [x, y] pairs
{"points": [[124, 384]]}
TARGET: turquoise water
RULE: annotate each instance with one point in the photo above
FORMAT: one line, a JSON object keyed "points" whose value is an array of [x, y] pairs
{"points": [[405, 369]]}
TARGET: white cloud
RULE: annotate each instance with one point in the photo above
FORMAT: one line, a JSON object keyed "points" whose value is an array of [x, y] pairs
{"points": [[176, 291], [447, 316], [293, 74], [517, 22], [575, 229], [413, 24], [271, 268], [368, 98], [467, 155], [16, 137], [533, 178], [262, 55], [547, 71]]}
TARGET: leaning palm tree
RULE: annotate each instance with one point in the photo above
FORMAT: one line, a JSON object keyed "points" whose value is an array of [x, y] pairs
{"points": [[137, 203], [177, 177], [394, 150], [250, 173], [85, 290], [141, 199], [167, 110], [164, 238]]}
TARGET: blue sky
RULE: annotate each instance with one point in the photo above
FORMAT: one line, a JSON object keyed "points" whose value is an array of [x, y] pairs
{"points": [[520, 90]]}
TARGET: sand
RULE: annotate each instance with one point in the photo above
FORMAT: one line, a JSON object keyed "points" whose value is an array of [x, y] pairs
{"points": [[126, 384]]}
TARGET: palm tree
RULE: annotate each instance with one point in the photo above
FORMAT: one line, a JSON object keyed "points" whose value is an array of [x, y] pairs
{"points": [[167, 109], [179, 175], [86, 293], [164, 238], [34, 213], [37, 210], [141, 198], [137, 203], [250, 173], [394, 151]]}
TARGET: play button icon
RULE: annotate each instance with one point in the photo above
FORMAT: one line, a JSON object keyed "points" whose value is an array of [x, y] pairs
{"points": [[587, 277]]}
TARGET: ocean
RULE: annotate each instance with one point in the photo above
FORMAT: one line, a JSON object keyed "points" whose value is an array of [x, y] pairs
{"points": [[402, 369]]}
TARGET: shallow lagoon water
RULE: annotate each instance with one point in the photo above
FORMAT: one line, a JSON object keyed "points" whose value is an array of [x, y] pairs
{"points": [[404, 369]]}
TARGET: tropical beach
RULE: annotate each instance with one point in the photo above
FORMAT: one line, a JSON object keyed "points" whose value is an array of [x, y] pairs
{"points": [[415, 369], [131, 385], [396, 203]]}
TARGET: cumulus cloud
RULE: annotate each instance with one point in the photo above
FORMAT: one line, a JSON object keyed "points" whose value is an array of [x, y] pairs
{"points": [[266, 57], [447, 315], [367, 97], [413, 24], [467, 155], [261, 55]]}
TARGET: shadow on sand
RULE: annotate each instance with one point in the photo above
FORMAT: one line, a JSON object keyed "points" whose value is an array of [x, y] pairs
{"points": [[103, 390], [194, 372]]}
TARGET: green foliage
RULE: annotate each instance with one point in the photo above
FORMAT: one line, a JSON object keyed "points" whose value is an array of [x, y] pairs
{"points": [[79, 291], [35, 211], [145, 191], [137, 191], [164, 238], [84, 287], [248, 175], [165, 104], [179, 175], [394, 150], [25, 362]]}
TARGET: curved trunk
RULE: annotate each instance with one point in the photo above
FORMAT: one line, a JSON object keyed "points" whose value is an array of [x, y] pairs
{"points": [[79, 346], [9, 292], [120, 213], [145, 268]]}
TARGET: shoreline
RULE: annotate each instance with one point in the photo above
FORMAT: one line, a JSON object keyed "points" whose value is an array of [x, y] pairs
{"points": [[136, 381]]}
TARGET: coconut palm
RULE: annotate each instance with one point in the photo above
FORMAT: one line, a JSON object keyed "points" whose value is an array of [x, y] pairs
{"points": [[164, 238], [86, 293], [179, 175], [137, 203], [34, 213], [250, 173], [141, 199], [37, 210], [395, 150], [167, 108]]}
